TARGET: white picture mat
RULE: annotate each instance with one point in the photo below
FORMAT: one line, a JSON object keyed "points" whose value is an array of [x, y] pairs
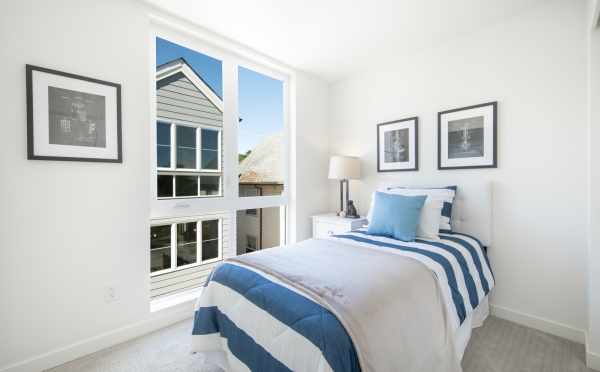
{"points": [[488, 137], [412, 144], [41, 129]]}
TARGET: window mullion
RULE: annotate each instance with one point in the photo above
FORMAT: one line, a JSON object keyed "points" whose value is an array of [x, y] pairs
{"points": [[220, 239], [173, 147], [229, 134], [198, 149], [174, 184], [199, 242], [173, 246], [198, 157], [219, 150]]}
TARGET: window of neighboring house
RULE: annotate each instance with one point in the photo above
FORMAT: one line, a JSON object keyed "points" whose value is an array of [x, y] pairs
{"points": [[264, 230], [183, 253], [251, 212], [250, 243], [210, 240], [184, 244], [160, 248], [195, 152]]}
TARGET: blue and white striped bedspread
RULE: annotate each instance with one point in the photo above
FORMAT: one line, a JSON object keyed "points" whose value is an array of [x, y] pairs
{"points": [[459, 261], [260, 324]]}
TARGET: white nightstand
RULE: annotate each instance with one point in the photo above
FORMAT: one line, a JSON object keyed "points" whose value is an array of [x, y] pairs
{"points": [[330, 224]]}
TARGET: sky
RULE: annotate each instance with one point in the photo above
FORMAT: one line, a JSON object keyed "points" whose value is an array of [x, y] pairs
{"points": [[260, 97]]}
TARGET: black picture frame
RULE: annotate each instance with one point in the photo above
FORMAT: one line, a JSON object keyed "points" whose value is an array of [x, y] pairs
{"points": [[29, 69], [494, 164], [415, 119]]}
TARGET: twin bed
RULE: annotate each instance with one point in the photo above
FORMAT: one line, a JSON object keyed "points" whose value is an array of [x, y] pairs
{"points": [[352, 302]]}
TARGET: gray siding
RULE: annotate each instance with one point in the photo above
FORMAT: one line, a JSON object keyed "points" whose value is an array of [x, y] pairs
{"points": [[179, 100]]}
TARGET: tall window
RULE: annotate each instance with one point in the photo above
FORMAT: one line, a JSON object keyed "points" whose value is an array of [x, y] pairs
{"points": [[220, 161]]}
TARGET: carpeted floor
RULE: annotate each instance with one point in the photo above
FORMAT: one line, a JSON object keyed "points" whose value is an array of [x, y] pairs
{"points": [[498, 346]]}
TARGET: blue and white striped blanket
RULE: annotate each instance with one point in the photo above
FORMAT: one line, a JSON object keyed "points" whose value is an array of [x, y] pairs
{"points": [[261, 323], [459, 261]]}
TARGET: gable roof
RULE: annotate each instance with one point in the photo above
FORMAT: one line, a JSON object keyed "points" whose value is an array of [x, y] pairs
{"points": [[263, 165], [180, 65]]}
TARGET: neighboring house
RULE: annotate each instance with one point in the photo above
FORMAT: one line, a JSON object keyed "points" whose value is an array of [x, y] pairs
{"points": [[189, 124], [182, 95], [260, 175], [189, 152]]}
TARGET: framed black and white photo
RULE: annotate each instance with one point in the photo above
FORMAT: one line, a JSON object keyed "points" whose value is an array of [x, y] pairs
{"points": [[467, 137], [398, 145], [72, 117]]}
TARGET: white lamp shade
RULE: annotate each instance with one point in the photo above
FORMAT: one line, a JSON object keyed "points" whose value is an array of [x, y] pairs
{"points": [[344, 167]]}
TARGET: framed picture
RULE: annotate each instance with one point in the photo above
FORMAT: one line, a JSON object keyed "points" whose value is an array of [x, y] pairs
{"points": [[398, 145], [467, 137], [71, 117]]}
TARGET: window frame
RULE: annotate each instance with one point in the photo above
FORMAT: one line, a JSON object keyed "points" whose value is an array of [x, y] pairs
{"points": [[199, 242], [232, 56], [231, 59]]}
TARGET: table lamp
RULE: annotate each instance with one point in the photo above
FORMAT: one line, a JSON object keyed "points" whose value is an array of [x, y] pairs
{"points": [[344, 168]]}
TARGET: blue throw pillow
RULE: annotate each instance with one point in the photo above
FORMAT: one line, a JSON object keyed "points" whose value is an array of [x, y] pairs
{"points": [[396, 216]]}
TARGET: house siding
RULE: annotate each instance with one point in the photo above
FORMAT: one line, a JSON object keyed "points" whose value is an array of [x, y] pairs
{"points": [[178, 100]]}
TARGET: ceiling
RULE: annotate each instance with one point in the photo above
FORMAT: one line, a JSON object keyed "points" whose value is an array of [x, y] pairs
{"points": [[334, 38]]}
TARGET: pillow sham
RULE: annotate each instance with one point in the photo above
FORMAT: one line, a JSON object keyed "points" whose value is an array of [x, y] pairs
{"points": [[396, 216], [445, 194]]}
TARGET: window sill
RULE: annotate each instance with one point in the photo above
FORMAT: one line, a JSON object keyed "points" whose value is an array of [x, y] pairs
{"points": [[187, 297]]}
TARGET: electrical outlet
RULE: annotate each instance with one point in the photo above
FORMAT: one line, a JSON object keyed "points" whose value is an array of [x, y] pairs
{"points": [[110, 295]]}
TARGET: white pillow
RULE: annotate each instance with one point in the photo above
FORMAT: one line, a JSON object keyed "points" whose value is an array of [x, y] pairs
{"points": [[446, 194], [429, 222]]}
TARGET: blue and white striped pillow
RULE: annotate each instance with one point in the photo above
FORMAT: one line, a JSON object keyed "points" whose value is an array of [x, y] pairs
{"points": [[446, 194]]}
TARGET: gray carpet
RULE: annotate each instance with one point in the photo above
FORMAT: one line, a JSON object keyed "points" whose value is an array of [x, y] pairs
{"points": [[498, 346]]}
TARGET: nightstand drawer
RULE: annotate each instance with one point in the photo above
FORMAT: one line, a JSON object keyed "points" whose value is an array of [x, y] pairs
{"points": [[328, 224], [323, 229]]}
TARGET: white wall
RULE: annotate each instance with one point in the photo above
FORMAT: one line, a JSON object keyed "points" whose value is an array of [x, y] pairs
{"points": [[70, 229], [311, 194], [534, 65], [593, 346]]}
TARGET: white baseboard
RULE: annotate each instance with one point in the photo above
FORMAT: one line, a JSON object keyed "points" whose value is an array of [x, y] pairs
{"points": [[155, 321], [541, 324]]}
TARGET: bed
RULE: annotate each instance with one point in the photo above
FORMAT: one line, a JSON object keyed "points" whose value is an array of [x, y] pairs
{"points": [[368, 303]]}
